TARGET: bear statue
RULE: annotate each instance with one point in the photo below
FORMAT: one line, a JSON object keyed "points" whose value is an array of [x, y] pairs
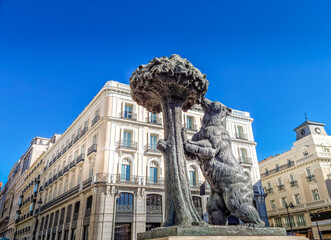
{"points": [[231, 190]]}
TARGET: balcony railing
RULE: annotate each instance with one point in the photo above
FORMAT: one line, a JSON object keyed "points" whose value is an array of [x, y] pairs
{"points": [[154, 181], [73, 163], [245, 160], [129, 179], [124, 209], [191, 127], [152, 148], [294, 183], [83, 131], [150, 209], [92, 149], [277, 169], [154, 120], [270, 190], [65, 169], [281, 187], [95, 120], [127, 145], [60, 173], [128, 115], [80, 158], [310, 178], [241, 136]]}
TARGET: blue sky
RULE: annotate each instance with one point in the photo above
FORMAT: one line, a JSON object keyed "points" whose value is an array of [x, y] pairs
{"points": [[271, 58]]}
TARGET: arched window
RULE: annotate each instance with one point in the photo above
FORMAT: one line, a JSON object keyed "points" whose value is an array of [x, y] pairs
{"points": [[153, 172], [193, 176], [154, 204], [197, 204], [125, 170], [88, 206], [124, 204]]}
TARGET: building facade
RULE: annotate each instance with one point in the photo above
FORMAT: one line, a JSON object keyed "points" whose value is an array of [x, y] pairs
{"points": [[8, 195], [301, 176], [104, 175]]}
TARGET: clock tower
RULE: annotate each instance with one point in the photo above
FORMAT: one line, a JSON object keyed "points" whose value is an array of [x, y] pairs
{"points": [[309, 127]]}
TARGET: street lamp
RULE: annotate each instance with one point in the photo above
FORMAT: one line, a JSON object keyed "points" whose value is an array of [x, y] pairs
{"points": [[288, 214], [316, 215], [116, 195]]}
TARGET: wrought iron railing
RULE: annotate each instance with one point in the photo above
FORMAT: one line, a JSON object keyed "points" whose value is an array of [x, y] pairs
{"points": [[154, 120], [245, 160], [150, 209], [127, 144], [95, 120], [124, 209], [128, 115], [92, 149], [310, 178], [294, 183], [241, 136]]}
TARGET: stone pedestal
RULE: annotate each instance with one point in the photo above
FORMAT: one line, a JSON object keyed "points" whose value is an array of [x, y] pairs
{"points": [[211, 232]]}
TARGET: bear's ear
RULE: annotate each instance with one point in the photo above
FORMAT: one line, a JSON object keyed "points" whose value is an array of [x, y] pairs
{"points": [[228, 111]]}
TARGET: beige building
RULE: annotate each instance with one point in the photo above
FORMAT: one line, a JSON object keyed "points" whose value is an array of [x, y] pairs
{"points": [[301, 176], [107, 155], [8, 195]]}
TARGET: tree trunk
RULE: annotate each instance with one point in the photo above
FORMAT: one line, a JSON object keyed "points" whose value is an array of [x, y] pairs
{"points": [[179, 207]]}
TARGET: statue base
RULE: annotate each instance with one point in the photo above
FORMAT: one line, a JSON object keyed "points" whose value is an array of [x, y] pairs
{"points": [[212, 232]]}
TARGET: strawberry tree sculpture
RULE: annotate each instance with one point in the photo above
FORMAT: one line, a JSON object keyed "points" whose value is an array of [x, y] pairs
{"points": [[172, 85]]}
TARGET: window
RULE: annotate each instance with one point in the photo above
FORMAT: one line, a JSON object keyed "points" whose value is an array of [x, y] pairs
{"points": [[125, 171], [277, 167], [94, 139], [243, 154], [301, 221], [240, 132], [73, 234], [316, 195], [284, 201], [189, 122], [88, 206], [62, 216], [197, 204], [124, 204], [272, 203], [79, 177], [72, 182], [309, 172], [269, 185], [76, 211], [60, 189], [68, 218], [82, 149], [266, 171], [278, 222], [280, 182], [153, 118], [127, 138], [153, 172], [31, 207], [192, 177], [85, 233], [292, 179], [326, 149], [297, 198], [56, 219], [153, 141], [154, 204], [305, 153], [128, 110]]}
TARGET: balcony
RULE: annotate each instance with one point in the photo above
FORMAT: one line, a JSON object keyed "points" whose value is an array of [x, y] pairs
{"points": [[245, 160], [83, 131], [281, 187], [65, 169], [128, 179], [60, 173], [241, 136], [129, 116], [151, 148], [73, 163], [127, 145], [95, 120], [155, 181], [269, 190], [294, 183], [311, 178], [69, 145], [124, 209], [191, 127], [92, 149], [150, 209], [87, 183], [154, 120], [80, 158]]}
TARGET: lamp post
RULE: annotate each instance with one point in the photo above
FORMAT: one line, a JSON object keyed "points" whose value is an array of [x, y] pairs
{"points": [[311, 215], [288, 214], [116, 195]]}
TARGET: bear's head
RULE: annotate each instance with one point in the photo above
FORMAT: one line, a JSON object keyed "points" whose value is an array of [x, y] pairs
{"points": [[215, 112]]}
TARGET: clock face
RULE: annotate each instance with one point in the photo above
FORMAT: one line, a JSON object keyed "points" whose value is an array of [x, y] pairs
{"points": [[318, 130]]}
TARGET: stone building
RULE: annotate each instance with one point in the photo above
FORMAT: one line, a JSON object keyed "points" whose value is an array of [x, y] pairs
{"points": [[108, 155], [8, 196], [301, 176]]}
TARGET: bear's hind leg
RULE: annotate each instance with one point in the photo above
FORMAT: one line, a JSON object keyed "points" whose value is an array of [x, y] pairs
{"points": [[217, 211]]}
